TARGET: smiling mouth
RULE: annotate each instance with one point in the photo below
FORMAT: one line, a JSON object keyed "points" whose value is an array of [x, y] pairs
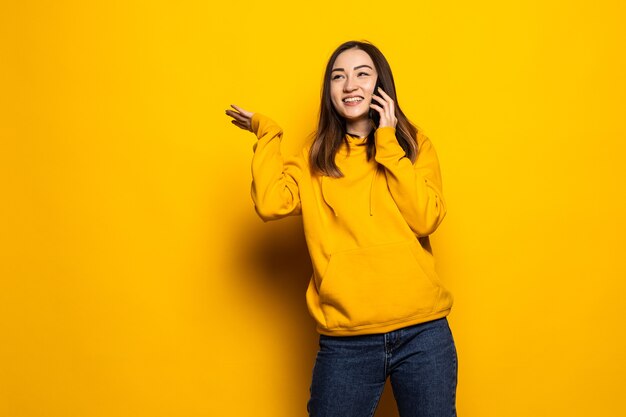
{"points": [[352, 100]]}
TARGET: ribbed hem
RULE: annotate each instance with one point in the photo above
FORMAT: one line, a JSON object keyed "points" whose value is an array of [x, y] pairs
{"points": [[377, 328]]}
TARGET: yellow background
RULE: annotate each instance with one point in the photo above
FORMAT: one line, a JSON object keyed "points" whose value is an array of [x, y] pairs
{"points": [[137, 280]]}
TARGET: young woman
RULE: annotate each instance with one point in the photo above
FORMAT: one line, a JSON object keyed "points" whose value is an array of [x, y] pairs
{"points": [[368, 187]]}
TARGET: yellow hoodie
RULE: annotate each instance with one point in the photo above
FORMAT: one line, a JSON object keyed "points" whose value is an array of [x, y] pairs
{"points": [[367, 232]]}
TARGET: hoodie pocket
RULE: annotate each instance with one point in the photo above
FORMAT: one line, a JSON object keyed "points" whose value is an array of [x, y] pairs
{"points": [[378, 284]]}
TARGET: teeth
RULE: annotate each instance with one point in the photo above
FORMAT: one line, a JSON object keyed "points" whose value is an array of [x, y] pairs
{"points": [[351, 99]]}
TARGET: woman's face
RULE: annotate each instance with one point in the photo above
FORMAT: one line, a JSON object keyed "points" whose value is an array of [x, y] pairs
{"points": [[353, 75]]}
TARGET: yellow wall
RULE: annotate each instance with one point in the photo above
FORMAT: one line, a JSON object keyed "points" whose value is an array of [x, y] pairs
{"points": [[137, 280]]}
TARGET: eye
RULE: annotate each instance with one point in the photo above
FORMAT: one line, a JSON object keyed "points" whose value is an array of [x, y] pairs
{"points": [[337, 76]]}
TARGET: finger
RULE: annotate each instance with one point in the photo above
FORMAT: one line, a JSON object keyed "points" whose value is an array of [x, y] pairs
{"points": [[241, 125], [378, 108], [388, 97], [392, 110], [382, 105], [388, 102], [237, 116], [242, 111], [378, 98], [383, 93], [238, 123]]}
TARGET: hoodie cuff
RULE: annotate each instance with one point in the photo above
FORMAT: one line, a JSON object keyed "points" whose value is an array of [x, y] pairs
{"points": [[387, 145], [262, 124]]}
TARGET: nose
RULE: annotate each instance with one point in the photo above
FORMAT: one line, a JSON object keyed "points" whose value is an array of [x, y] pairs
{"points": [[349, 85]]}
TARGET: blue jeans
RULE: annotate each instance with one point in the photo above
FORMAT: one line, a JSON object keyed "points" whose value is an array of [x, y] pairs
{"points": [[350, 372]]}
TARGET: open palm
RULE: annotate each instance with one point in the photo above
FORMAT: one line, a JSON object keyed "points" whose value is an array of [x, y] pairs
{"points": [[241, 117]]}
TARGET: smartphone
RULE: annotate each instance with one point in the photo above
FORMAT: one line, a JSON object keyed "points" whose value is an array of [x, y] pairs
{"points": [[374, 115]]}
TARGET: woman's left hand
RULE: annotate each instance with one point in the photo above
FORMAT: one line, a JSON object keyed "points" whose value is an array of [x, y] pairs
{"points": [[384, 106]]}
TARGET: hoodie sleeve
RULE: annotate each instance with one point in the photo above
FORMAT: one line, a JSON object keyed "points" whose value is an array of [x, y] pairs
{"points": [[275, 178], [416, 188]]}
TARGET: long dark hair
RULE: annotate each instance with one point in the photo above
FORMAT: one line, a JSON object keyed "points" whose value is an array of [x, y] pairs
{"points": [[331, 129]]}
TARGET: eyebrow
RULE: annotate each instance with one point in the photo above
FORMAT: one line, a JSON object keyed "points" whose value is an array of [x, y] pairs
{"points": [[357, 67]]}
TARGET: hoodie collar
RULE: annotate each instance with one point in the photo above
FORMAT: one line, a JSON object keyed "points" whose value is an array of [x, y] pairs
{"points": [[354, 143]]}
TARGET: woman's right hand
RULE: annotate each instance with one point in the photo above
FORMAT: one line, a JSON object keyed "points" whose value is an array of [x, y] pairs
{"points": [[242, 118]]}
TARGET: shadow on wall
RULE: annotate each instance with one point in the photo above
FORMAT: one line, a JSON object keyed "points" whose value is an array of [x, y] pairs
{"points": [[278, 264]]}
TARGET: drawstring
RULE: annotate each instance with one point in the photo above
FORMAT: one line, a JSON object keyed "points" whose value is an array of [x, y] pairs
{"points": [[371, 138], [371, 194], [324, 197], [372, 191]]}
